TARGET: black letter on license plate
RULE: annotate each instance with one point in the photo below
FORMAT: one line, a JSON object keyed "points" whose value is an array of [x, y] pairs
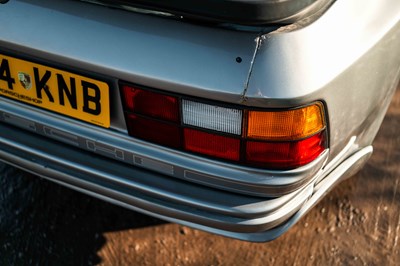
{"points": [[5, 74], [41, 84], [88, 99], [63, 89]]}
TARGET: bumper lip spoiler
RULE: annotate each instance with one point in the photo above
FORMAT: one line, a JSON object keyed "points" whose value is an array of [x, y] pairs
{"points": [[244, 12], [142, 190], [345, 170], [255, 224]]}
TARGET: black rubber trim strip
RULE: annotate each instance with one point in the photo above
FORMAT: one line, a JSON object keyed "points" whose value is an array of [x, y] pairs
{"points": [[246, 12]]}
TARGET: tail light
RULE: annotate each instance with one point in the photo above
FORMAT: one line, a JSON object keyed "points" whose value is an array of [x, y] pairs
{"points": [[212, 144], [274, 139]]}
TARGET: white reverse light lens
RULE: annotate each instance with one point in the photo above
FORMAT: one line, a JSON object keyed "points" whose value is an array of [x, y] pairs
{"points": [[212, 117]]}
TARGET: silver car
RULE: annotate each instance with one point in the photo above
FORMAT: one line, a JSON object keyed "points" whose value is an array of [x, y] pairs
{"points": [[231, 116]]}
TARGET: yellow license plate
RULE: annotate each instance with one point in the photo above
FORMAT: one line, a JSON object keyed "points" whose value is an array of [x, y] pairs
{"points": [[55, 90]]}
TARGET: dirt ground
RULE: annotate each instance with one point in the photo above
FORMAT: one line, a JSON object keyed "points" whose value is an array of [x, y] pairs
{"points": [[358, 223]]}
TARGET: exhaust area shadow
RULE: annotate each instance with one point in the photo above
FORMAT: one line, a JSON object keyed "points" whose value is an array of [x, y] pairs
{"points": [[42, 223]]}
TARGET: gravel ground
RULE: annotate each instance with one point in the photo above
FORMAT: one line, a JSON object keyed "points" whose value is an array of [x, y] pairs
{"points": [[358, 223]]}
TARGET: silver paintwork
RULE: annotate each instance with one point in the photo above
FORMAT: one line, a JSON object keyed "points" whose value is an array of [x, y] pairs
{"points": [[348, 58], [131, 46]]}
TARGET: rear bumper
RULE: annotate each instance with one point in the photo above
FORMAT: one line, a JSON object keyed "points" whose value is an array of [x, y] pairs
{"points": [[225, 213]]}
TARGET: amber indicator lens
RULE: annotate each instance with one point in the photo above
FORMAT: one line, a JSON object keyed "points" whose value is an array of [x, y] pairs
{"points": [[286, 125]]}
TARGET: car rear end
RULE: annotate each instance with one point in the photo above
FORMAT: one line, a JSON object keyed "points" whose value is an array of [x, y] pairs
{"points": [[236, 123]]}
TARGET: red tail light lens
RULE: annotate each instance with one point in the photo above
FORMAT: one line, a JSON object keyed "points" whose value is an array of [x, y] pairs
{"points": [[154, 131], [212, 144], [275, 139], [151, 104], [285, 155]]}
